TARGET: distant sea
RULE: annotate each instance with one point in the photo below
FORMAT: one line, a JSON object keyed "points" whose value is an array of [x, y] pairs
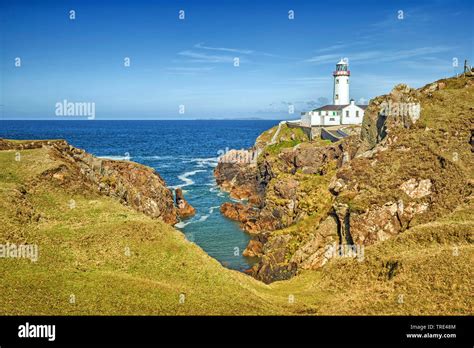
{"points": [[184, 153]]}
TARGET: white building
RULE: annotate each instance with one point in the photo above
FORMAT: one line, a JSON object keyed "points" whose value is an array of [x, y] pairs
{"points": [[342, 111]]}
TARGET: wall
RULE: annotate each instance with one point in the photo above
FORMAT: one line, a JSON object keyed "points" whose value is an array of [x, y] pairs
{"points": [[315, 118], [306, 119], [328, 122], [352, 119]]}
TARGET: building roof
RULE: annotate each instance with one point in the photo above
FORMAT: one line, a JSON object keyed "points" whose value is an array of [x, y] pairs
{"points": [[332, 107]]}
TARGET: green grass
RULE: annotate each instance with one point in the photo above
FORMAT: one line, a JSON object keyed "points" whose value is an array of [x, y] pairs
{"points": [[425, 270], [287, 137], [82, 253], [276, 148]]}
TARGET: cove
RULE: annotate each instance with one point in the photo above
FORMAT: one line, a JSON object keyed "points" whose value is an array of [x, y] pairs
{"points": [[184, 153]]}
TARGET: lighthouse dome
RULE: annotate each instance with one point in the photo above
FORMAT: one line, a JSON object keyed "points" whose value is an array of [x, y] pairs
{"points": [[342, 62]]}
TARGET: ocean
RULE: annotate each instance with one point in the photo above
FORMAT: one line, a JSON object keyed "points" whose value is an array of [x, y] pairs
{"points": [[184, 153]]}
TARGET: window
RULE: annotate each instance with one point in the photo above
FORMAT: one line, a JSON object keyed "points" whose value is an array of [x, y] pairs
{"points": [[357, 113], [347, 113], [334, 113], [331, 119], [337, 96], [347, 81], [337, 81]]}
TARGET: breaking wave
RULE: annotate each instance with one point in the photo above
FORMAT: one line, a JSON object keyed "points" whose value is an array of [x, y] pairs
{"points": [[185, 178]]}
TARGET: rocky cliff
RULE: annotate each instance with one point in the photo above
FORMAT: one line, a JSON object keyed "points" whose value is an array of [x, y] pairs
{"points": [[411, 164], [132, 184]]}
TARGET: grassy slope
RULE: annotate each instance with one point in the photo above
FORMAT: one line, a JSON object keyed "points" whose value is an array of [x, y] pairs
{"points": [[426, 270], [82, 252], [287, 137]]}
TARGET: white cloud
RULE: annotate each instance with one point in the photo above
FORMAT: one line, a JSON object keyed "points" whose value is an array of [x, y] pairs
{"points": [[332, 48], [224, 49], [240, 51], [411, 53], [322, 59], [379, 56], [199, 57]]}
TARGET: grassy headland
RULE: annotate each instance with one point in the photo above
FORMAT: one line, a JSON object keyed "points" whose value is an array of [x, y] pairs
{"points": [[98, 256]]}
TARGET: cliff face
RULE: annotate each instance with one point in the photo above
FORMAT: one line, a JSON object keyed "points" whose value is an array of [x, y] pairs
{"points": [[132, 184], [419, 169], [239, 179], [411, 165]]}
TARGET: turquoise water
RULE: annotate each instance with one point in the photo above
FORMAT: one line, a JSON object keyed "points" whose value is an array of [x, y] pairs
{"points": [[183, 152]]}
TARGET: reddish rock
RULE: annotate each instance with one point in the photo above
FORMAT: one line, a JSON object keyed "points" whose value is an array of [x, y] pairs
{"points": [[132, 184], [185, 209], [237, 211], [253, 249], [239, 179]]}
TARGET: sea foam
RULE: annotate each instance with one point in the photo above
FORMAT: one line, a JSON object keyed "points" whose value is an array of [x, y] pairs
{"points": [[185, 178]]}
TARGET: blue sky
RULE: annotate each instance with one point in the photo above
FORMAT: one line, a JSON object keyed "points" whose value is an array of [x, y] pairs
{"points": [[190, 62]]}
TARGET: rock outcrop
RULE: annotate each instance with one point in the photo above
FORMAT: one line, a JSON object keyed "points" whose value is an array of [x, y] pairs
{"points": [[314, 253], [239, 179], [184, 209], [400, 108], [133, 184], [254, 249], [28, 144], [412, 172], [411, 164]]}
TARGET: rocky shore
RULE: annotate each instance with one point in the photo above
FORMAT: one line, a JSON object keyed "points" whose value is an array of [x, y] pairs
{"points": [[302, 199], [132, 184], [359, 222]]}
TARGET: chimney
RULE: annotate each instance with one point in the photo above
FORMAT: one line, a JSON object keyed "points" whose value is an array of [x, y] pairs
{"points": [[352, 102]]}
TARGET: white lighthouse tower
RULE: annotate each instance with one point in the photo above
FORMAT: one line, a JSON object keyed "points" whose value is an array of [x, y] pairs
{"points": [[343, 111], [341, 83]]}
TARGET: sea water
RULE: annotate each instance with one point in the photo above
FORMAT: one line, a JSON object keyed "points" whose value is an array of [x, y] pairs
{"points": [[184, 153]]}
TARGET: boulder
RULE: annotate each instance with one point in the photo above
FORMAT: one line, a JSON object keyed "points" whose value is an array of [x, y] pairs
{"points": [[184, 209], [416, 189], [253, 249]]}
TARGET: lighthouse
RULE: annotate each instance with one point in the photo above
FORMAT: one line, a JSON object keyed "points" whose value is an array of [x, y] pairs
{"points": [[341, 83], [343, 111]]}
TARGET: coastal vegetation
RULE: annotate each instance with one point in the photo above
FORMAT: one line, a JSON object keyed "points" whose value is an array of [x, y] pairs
{"points": [[402, 190]]}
